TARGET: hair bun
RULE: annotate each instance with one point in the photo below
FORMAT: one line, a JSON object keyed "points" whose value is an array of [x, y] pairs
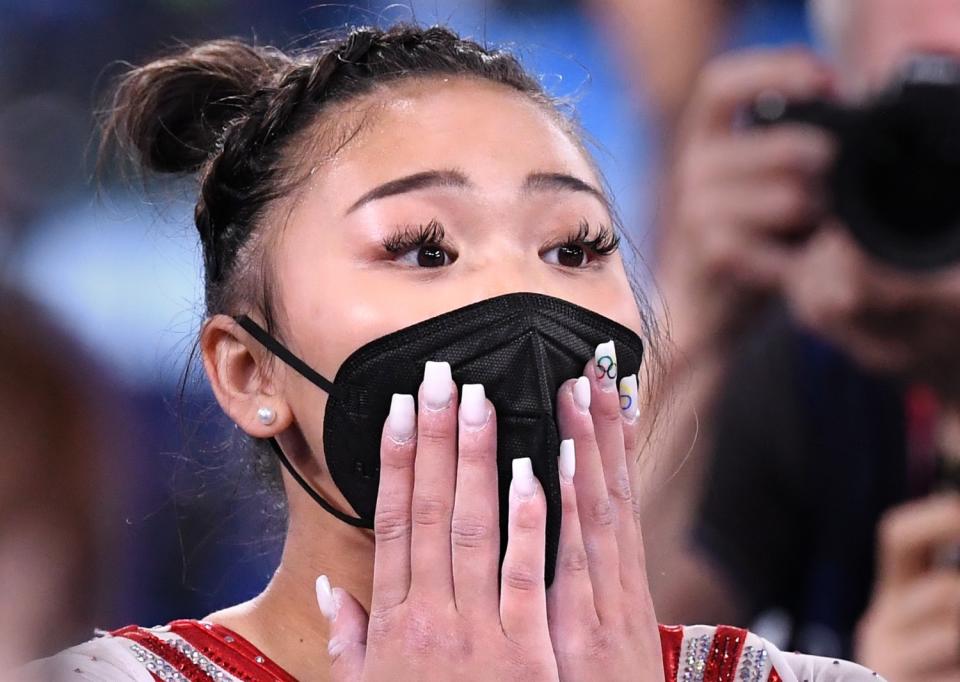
{"points": [[172, 111]]}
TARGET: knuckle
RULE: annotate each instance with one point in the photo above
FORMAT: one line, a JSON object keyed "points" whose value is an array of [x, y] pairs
{"points": [[619, 488], [419, 634], [430, 510], [574, 561], [474, 451], [432, 432], [470, 532], [521, 577], [600, 513], [391, 523]]}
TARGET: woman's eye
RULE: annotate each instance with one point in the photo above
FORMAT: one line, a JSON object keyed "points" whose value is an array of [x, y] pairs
{"points": [[568, 255], [425, 256]]}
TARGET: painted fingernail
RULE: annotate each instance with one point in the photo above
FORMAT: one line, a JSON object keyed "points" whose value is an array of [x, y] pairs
{"points": [[329, 604], [437, 385], [402, 420], [628, 397], [605, 365], [523, 484], [568, 460], [474, 412], [581, 394]]}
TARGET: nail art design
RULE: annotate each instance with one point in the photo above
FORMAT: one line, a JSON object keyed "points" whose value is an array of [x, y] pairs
{"points": [[628, 397], [605, 359]]}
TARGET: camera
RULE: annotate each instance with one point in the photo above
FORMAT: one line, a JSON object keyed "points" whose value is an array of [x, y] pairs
{"points": [[895, 181]]}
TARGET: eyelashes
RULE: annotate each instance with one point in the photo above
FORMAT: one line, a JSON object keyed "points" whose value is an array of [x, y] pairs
{"points": [[604, 243], [414, 236], [406, 238]]}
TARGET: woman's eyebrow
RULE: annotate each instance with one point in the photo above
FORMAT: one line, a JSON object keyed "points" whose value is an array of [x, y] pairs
{"points": [[409, 183], [563, 182], [534, 182]]}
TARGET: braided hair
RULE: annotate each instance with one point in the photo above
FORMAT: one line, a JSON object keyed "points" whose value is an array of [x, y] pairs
{"points": [[234, 114]]}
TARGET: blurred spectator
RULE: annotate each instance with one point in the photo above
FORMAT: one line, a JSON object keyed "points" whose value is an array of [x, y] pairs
{"points": [[55, 410], [827, 382]]}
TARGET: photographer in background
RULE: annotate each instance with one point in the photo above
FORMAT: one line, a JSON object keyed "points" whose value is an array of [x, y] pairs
{"points": [[825, 380]]}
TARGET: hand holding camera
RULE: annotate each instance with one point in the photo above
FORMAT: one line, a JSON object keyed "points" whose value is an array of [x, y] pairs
{"points": [[741, 199]]}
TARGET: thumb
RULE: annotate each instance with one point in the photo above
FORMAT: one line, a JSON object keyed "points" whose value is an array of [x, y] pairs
{"points": [[347, 645]]}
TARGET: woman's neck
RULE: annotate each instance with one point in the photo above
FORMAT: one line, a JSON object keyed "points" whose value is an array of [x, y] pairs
{"points": [[284, 621]]}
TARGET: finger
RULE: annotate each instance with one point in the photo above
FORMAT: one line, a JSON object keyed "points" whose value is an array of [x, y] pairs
{"points": [[391, 520], [570, 600], [597, 514], [910, 535], [347, 643], [800, 152], [773, 209], [730, 83], [632, 445], [523, 608], [434, 480], [607, 414], [475, 529]]}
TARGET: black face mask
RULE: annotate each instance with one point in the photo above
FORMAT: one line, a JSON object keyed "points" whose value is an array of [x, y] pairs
{"points": [[521, 347]]}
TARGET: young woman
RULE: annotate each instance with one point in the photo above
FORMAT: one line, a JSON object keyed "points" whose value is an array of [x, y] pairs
{"points": [[413, 293]]}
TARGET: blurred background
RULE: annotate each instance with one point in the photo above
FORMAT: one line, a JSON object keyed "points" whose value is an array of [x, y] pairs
{"points": [[107, 278]]}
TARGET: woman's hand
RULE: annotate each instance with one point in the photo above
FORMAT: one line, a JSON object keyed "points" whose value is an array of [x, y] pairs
{"points": [[438, 609], [599, 607]]}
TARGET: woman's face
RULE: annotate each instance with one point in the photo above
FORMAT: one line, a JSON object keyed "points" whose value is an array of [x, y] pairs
{"points": [[455, 191]]}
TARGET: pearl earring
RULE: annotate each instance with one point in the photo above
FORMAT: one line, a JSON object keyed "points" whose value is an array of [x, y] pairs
{"points": [[266, 416]]}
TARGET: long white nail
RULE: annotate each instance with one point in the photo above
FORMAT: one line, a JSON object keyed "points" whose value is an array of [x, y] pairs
{"points": [[328, 603], [402, 420], [437, 385], [568, 460], [474, 411], [605, 364], [581, 394], [628, 397], [523, 484]]}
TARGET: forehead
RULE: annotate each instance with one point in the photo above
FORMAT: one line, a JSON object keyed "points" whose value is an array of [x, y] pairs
{"points": [[492, 133]]}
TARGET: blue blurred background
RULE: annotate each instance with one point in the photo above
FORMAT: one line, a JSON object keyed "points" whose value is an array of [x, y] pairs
{"points": [[120, 269]]}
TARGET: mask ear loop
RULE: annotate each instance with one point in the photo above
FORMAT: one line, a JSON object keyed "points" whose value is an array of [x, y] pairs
{"points": [[298, 365]]}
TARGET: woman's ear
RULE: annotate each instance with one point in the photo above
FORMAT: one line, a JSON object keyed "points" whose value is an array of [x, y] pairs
{"points": [[241, 377]]}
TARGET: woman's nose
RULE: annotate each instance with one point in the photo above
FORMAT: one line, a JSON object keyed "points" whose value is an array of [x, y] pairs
{"points": [[509, 276]]}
